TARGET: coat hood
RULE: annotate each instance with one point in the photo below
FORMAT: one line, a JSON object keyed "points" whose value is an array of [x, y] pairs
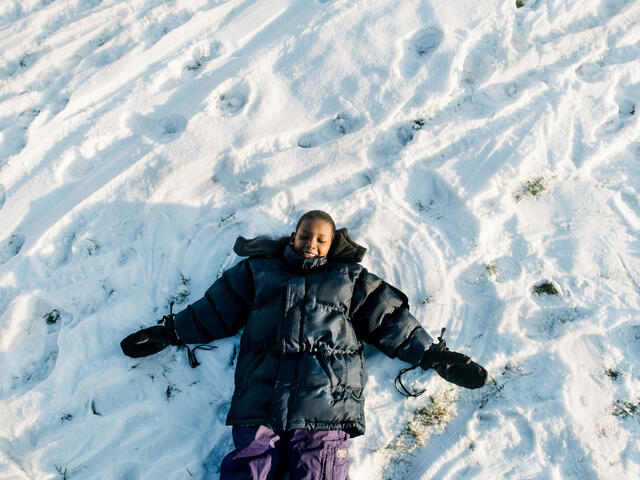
{"points": [[343, 248]]}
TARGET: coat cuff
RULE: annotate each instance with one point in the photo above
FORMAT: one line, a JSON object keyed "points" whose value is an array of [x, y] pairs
{"points": [[412, 350]]}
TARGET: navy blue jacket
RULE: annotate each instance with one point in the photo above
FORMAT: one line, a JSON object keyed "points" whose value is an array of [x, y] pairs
{"points": [[300, 364]]}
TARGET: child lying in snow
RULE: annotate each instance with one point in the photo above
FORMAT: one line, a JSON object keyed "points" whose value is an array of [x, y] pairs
{"points": [[306, 306]]}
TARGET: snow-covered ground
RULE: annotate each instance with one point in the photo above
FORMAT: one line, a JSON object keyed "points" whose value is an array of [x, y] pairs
{"points": [[482, 151]]}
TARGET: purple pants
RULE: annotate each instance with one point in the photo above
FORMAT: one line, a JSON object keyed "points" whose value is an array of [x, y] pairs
{"points": [[262, 454]]}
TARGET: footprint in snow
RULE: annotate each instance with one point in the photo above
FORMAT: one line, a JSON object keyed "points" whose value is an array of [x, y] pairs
{"points": [[180, 70], [33, 354], [419, 48], [106, 55], [591, 72], [406, 131], [342, 124], [426, 41], [74, 166], [480, 63], [17, 66], [627, 100], [626, 111], [392, 142], [159, 29], [10, 12], [164, 129], [611, 8], [201, 54], [232, 102], [551, 322], [11, 246], [14, 139], [627, 108], [525, 433], [12, 142]]}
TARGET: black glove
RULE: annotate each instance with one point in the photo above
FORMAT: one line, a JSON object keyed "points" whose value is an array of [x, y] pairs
{"points": [[149, 340], [454, 367]]}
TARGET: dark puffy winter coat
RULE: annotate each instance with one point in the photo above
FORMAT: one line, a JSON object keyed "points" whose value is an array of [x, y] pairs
{"points": [[300, 364]]}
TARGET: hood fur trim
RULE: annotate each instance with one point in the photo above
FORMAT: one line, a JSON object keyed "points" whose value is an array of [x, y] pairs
{"points": [[343, 248]]}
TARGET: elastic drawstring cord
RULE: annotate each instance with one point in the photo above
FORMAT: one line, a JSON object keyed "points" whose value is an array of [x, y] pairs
{"points": [[442, 345], [193, 361], [405, 392], [191, 353]]}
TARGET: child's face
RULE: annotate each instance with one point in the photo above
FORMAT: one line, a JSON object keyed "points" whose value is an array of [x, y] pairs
{"points": [[313, 238]]}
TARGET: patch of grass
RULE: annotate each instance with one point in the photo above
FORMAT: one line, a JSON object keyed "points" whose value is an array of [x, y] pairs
{"points": [[26, 60], [52, 317], [180, 297], [342, 124], [427, 299], [531, 188], [613, 374], [92, 246], [422, 207], [625, 409], [438, 412], [520, 3], [545, 288], [514, 371], [493, 390], [491, 270], [422, 423], [183, 292], [197, 65], [429, 209], [171, 391]]}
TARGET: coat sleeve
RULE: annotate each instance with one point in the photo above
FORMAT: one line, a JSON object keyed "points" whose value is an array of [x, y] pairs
{"points": [[222, 311], [380, 316]]}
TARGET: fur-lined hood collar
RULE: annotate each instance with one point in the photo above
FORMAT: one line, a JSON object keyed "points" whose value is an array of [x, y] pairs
{"points": [[343, 248]]}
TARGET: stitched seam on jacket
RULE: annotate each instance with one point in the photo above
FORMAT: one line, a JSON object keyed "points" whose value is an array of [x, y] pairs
{"points": [[215, 310], [198, 324], [238, 299]]}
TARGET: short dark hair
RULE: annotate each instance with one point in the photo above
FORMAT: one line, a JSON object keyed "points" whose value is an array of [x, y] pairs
{"points": [[318, 215]]}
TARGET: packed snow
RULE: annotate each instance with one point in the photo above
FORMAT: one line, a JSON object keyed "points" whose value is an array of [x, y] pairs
{"points": [[486, 153]]}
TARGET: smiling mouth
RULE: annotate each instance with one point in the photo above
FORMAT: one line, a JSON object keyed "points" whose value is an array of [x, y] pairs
{"points": [[309, 255]]}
